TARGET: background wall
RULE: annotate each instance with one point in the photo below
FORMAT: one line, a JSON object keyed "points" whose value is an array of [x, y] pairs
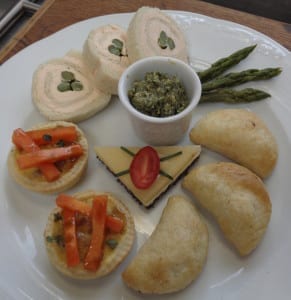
{"points": [[275, 9]]}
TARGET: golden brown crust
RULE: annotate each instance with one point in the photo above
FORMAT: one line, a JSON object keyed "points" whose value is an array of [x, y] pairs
{"points": [[111, 258], [175, 253], [240, 135], [32, 180], [236, 197]]}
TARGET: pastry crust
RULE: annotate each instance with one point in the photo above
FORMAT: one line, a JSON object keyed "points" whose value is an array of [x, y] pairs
{"points": [[175, 253], [33, 180], [241, 136], [236, 197], [111, 258]]}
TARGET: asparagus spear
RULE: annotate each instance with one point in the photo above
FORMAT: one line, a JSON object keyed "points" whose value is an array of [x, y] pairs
{"points": [[234, 96], [236, 78], [221, 65]]}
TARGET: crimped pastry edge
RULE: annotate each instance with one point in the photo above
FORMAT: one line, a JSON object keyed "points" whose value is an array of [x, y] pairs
{"points": [[161, 286], [236, 177]]}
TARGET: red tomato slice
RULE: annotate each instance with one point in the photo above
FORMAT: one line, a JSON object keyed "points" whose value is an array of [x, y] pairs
{"points": [[145, 167], [71, 243]]}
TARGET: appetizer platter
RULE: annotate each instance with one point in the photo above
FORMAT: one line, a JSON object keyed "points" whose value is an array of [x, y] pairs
{"points": [[213, 220]]}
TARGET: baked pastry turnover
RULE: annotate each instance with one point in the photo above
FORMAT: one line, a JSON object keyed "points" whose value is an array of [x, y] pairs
{"points": [[241, 136], [175, 253], [236, 197]]}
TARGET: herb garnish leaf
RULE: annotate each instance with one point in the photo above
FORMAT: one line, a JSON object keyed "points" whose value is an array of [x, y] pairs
{"points": [[165, 41]]}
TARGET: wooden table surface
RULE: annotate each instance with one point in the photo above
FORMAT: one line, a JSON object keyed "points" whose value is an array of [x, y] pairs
{"points": [[57, 14]]}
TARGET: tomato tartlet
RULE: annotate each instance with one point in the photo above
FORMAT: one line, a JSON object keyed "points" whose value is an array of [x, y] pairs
{"points": [[88, 234], [49, 158]]}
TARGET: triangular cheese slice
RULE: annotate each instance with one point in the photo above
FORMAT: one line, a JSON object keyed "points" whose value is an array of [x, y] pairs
{"points": [[117, 160]]}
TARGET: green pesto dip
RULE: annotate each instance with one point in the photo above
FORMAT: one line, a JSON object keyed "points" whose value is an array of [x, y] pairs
{"points": [[158, 95]]}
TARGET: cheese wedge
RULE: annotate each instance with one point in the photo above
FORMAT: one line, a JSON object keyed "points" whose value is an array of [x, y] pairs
{"points": [[118, 160]]}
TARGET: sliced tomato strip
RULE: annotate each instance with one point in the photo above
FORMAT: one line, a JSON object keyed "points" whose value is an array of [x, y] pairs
{"points": [[145, 167], [49, 171], [53, 135], [23, 141], [114, 224], [70, 237], [68, 202], [34, 159], [95, 252]]}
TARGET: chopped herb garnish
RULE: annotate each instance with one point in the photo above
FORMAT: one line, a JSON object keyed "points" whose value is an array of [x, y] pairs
{"points": [[58, 239], [116, 47], [64, 86], [171, 43], [171, 156], [76, 86], [57, 217], [47, 137], [112, 243], [158, 95], [117, 43], [165, 41], [69, 83], [127, 151], [113, 50], [163, 173], [60, 143], [121, 173], [68, 76]]}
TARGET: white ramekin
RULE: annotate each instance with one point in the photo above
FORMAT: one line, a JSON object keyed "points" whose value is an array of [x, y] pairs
{"points": [[160, 130]]}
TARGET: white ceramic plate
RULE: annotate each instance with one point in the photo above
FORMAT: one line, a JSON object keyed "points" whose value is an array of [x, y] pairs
{"points": [[25, 271]]}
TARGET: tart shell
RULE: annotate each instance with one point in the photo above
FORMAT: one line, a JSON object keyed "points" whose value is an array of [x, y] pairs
{"points": [[34, 181], [110, 260]]}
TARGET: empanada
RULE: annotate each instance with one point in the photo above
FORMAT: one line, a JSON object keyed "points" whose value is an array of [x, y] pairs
{"points": [[241, 136], [174, 254], [236, 197]]}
